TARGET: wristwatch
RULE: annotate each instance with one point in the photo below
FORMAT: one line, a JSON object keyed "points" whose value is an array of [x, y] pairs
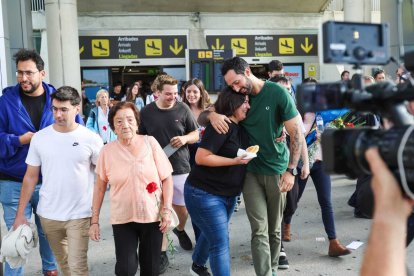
{"points": [[294, 171]]}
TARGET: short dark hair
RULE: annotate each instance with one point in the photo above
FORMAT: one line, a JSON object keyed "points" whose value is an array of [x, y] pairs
{"points": [[118, 83], [228, 101], [377, 72], [119, 106], [310, 80], [237, 64], [279, 78], [67, 93], [343, 73], [275, 65], [26, 54]]}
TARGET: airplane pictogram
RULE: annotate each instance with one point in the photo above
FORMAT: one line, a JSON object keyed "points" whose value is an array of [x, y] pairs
{"points": [[100, 47], [238, 45], [286, 44], [152, 46]]}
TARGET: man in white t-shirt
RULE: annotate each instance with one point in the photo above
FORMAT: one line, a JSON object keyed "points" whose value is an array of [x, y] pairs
{"points": [[65, 153]]}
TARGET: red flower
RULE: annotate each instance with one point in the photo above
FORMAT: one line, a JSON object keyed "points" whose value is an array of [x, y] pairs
{"points": [[152, 187], [350, 125], [104, 128]]}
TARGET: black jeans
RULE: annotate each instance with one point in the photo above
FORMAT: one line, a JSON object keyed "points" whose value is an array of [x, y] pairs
{"points": [[291, 202], [322, 182], [127, 237]]}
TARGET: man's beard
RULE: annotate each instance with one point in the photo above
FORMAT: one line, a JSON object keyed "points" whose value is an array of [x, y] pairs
{"points": [[31, 90], [247, 89]]}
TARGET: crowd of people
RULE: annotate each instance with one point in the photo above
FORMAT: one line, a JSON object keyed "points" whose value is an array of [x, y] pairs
{"points": [[175, 156]]}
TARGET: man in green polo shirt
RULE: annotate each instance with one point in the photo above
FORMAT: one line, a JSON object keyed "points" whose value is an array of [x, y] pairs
{"points": [[272, 173]]}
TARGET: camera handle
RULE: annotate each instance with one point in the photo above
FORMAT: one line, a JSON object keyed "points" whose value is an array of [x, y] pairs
{"points": [[357, 81]]}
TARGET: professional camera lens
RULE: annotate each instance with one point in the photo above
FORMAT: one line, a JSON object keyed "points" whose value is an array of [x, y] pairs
{"points": [[344, 152]]}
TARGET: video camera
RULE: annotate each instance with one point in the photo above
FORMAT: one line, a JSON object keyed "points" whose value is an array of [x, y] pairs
{"points": [[343, 149]]}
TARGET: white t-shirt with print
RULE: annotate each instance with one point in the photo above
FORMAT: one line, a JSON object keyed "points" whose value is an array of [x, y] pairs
{"points": [[67, 163]]}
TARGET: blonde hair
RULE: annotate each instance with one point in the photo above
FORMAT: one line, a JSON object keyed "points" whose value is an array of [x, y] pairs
{"points": [[165, 80], [98, 94]]}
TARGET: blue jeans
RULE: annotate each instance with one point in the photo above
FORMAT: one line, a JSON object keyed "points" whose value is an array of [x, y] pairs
{"points": [[322, 182], [9, 198], [211, 214]]}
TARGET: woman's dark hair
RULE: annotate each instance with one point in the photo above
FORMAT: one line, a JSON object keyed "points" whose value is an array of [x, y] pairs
{"points": [[130, 96], [119, 106], [228, 101], [204, 98]]}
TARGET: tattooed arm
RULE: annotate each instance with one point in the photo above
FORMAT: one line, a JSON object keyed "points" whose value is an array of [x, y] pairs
{"points": [[293, 127]]}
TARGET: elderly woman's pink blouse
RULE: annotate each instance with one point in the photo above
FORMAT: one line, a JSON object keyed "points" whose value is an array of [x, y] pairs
{"points": [[128, 177]]}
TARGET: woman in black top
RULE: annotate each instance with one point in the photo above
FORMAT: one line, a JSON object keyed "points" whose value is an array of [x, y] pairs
{"points": [[213, 184]]}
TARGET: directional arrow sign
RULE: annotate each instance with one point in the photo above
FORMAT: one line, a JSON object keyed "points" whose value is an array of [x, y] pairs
{"points": [[217, 47], [176, 49], [307, 47]]}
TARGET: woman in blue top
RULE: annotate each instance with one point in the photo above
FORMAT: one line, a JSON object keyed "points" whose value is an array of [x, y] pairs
{"points": [[98, 117], [134, 96], [213, 184]]}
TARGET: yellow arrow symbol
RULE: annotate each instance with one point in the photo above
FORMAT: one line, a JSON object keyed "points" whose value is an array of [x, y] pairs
{"points": [[217, 47], [307, 47], [81, 50], [176, 49]]}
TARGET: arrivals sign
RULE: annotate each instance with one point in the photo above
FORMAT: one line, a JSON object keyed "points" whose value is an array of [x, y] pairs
{"points": [[132, 47], [266, 45]]}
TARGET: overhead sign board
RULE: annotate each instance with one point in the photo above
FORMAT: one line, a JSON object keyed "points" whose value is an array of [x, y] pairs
{"points": [[207, 55], [132, 47], [266, 45], [206, 66]]}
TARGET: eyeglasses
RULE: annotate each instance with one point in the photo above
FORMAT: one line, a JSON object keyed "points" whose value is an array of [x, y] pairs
{"points": [[28, 74], [63, 110]]}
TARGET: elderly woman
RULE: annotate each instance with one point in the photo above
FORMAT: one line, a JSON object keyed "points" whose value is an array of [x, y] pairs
{"points": [[213, 184], [98, 117], [141, 191]]}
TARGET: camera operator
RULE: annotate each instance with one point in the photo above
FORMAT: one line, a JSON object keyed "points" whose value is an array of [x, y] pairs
{"points": [[388, 231]]}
